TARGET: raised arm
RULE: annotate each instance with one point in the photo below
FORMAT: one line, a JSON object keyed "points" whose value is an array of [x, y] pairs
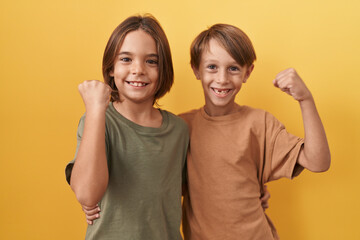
{"points": [[89, 177], [315, 155]]}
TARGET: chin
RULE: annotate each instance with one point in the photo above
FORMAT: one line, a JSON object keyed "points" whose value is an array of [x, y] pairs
{"points": [[221, 102]]}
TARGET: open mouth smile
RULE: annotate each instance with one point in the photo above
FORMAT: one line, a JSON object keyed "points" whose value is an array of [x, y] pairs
{"points": [[221, 92], [137, 84]]}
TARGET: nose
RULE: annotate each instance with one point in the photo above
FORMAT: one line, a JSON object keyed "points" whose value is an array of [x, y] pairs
{"points": [[137, 68], [221, 77]]}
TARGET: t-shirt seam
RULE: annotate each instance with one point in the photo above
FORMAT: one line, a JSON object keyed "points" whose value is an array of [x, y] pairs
{"points": [[272, 149]]}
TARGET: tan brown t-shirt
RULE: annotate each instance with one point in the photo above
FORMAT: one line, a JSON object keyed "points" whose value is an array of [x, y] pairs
{"points": [[229, 159]]}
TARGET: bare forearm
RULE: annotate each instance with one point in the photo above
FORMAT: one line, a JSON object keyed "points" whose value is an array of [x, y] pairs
{"points": [[315, 155], [90, 172]]}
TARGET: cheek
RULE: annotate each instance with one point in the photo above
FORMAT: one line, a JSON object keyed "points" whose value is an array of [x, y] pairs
{"points": [[205, 83], [154, 75], [119, 72], [238, 88], [119, 76], [206, 78]]}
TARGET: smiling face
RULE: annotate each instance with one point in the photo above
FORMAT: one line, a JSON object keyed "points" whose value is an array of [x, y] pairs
{"points": [[136, 70], [221, 77]]}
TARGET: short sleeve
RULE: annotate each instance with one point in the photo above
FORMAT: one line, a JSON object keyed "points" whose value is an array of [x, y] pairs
{"points": [[70, 165], [282, 151]]}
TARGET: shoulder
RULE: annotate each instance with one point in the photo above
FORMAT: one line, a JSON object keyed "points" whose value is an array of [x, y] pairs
{"points": [[266, 119], [258, 112], [261, 119], [111, 112], [81, 124], [253, 114], [189, 116], [174, 119]]}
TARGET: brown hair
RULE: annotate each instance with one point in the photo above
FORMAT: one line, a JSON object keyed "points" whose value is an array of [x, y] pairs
{"points": [[151, 26], [235, 42]]}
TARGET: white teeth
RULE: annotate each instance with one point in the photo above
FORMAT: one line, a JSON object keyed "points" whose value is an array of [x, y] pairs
{"points": [[221, 91], [137, 84]]}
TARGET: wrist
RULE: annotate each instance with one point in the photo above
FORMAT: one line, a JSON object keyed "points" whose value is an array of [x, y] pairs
{"points": [[308, 102], [308, 98], [96, 109]]}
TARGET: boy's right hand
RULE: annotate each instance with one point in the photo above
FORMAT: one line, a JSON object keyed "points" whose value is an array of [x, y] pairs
{"points": [[291, 83], [95, 94], [91, 213]]}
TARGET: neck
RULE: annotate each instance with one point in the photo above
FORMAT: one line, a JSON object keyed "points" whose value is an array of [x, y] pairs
{"points": [[216, 111], [143, 114]]}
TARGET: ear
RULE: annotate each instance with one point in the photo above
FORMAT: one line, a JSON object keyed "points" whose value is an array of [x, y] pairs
{"points": [[196, 72], [248, 72], [111, 74]]}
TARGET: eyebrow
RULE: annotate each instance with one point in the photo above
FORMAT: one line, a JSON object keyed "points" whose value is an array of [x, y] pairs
{"points": [[215, 61], [148, 55], [210, 60]]}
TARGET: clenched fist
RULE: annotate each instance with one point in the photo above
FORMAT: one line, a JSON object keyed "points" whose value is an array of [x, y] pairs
{"points": [[95, 94], [290, 82]]}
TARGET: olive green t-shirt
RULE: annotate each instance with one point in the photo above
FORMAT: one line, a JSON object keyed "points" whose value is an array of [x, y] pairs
{"points": [[143, 197]]}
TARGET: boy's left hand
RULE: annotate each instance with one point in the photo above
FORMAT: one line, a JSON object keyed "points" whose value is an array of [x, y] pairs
{"points": [[290, 82], [265, 198], [91, 213]]}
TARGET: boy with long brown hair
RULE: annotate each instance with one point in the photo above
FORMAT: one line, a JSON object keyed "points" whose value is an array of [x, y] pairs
{"points": [[130, 156]]}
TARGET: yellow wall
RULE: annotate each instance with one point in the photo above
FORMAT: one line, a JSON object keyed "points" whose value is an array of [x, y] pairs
{"points": [[48, 47]]}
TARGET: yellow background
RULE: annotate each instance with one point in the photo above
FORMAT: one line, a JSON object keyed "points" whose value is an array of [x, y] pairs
{"points": [[48, 47]]}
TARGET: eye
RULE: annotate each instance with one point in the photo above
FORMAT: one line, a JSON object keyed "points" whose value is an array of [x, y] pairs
{"points": [[233, 69], [212, 67], [152, 61], [125, 59]]}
